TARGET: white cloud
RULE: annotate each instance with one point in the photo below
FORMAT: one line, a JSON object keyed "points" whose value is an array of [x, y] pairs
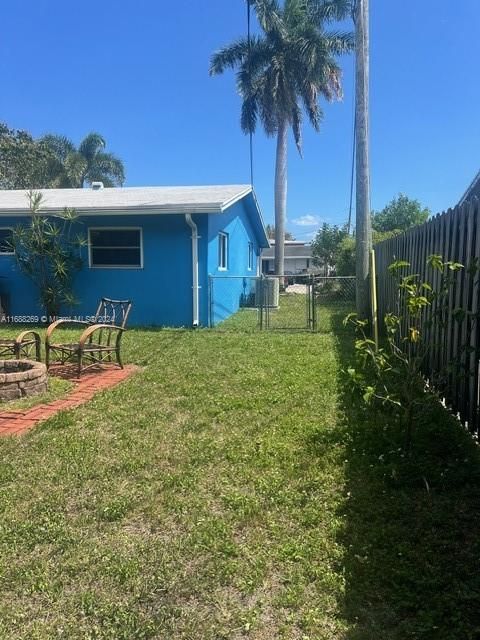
{"points": [[307, 221]]}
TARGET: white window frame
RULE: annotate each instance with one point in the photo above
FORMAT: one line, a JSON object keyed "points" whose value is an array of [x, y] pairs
{"points": [[6, 253], [222, 237], [250, 256], [114, 266]]}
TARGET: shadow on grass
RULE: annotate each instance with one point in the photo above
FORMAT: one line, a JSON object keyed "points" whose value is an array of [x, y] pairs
{"points": [[412, 526]]}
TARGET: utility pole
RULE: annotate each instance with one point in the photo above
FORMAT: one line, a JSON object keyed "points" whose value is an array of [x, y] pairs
{"points": [[363, 223]]}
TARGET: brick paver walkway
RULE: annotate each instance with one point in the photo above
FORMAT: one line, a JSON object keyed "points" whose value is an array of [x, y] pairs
{"points": [[19, 421]]}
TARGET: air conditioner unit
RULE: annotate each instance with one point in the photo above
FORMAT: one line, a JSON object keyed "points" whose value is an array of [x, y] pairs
{"points": [[267, 292]]}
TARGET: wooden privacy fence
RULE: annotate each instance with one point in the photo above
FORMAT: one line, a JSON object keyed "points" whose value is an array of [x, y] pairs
{"points": [[455, 340]]}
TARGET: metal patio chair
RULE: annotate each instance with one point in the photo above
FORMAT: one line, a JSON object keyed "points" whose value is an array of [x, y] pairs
{"points": [[25, 345], [100, 341]]}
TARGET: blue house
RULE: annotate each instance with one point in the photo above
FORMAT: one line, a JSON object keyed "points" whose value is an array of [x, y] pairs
{"points": [[154, 245]]}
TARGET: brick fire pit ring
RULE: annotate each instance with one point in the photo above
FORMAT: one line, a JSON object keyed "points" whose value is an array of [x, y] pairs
{"points": [[21, 378]]}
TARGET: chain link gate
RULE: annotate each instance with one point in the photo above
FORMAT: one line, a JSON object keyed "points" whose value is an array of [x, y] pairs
{"points": [[288, 303]]}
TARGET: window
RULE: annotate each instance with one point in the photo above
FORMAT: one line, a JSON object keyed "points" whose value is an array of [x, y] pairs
{"points": [[5, 248], [250, 256], [116, 247], [223, 251]]}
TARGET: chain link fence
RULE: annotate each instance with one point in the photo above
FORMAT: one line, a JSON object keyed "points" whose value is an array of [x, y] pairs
{"points": [[291, 303], [234, 303], [334, 290]]}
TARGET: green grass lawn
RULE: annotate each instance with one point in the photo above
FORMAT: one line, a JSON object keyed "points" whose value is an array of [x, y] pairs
{"points": [[57, 388], [234, 489], [292, 314]]}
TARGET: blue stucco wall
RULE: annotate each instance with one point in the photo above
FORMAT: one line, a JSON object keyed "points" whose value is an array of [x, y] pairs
{"points": [[229, 294], [21, 294], [161, 291]]}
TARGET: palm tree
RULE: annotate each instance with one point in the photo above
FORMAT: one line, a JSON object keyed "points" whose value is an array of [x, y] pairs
{"points": [[282, 73], [89, 163]]}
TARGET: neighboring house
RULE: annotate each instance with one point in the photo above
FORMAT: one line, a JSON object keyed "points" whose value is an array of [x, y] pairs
{"points": [[154, 245], [472, 191], [298, 258]]}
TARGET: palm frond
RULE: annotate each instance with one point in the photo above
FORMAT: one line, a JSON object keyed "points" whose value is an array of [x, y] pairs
{"points": [[267, 110], [309, 94], [297, 127], [269, 16], [229, 57], [324, 11], [92, 144], [75, 168], [295, 13], [249, 116], [253, 56], [313, 47], [338, 43], [330, 85], [106, 168]]}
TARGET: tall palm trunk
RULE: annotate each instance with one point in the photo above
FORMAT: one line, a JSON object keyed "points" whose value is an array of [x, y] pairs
{"points": [[363, 223], [280, 198]]}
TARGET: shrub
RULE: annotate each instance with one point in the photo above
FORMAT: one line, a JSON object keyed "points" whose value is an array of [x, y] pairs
{"points": [[49, 254], [392, 375]]}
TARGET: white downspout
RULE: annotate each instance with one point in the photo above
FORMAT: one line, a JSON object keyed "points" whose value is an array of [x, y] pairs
{"points": [[195, 287]]}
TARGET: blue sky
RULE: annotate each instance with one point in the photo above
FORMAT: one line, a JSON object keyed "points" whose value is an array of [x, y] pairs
{"points": [[137, 72]]}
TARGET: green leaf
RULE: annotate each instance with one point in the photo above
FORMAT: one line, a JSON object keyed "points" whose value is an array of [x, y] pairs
{"points": [[436, 262], [455, 266], [350, 319], [369, 394], [397, 265]]}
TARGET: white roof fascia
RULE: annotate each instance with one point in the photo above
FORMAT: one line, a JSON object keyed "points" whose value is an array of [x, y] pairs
{"points": [[236, 198], [123, 211]]}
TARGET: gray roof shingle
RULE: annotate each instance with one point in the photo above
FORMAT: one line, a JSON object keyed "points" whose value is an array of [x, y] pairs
{"points": [[197, 199]]}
